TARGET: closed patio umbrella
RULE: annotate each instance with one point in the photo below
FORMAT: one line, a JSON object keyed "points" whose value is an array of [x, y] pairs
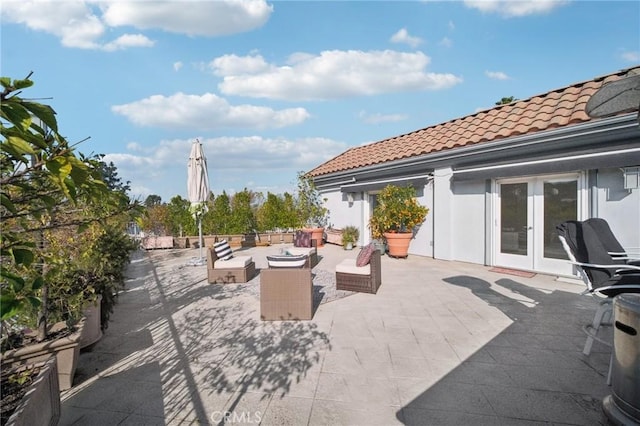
{"points": [[198, 189]]}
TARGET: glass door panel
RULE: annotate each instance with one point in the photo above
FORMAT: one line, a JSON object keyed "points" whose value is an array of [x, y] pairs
{"points": [[560, 204], [513, 214]]}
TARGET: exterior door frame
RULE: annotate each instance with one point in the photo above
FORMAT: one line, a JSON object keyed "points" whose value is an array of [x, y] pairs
{"points": [[535, 260]]}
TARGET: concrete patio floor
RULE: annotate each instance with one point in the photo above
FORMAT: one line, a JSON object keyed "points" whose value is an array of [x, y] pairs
{"points": [[441, 343]]}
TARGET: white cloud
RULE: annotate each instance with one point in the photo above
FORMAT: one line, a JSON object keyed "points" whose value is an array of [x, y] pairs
{"points": [[496, 75], [332, 74], [72, 21], [402, 36], [205, 112], [378, 118], [234, 64], [515, 8], [84, 23], [631, 56], [166, 161], [195, 18], [128, 40], [177, 66], [446, 42]]}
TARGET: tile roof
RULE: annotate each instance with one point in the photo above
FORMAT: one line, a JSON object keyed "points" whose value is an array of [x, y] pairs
{"points": [[557, 108]]}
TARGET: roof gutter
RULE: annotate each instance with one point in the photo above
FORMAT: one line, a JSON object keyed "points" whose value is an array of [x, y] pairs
{"points": [[617, 128], [571, 158]]}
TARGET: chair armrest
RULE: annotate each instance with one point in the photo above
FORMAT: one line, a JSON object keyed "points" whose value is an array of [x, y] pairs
{"points": [[211, 257], [375, 262], [616, 266]]}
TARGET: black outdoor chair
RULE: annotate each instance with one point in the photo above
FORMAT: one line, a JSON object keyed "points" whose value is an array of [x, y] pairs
{"points": [[611, 243], [604, 277]]}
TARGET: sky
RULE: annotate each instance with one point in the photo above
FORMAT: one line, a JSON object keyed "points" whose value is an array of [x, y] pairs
{"points": [[273, 88]]}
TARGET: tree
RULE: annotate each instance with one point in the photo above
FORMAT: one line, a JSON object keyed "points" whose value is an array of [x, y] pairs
{"points": [[310, 207], [269, 213], [156, 220], [506, 100], [220, 217], [44, 187], [110, 176], [243, 220], [180, 218], [289, 217], [152, 200]]}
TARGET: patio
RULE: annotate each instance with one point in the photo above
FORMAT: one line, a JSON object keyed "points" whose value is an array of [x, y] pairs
{"points": [[440, 343]]}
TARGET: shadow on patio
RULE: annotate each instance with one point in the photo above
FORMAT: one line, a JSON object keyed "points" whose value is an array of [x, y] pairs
{"points": [[533, 371], [176, 344]]}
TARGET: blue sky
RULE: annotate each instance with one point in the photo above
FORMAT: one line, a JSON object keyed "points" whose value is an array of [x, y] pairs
{"points": [[273, 88]]}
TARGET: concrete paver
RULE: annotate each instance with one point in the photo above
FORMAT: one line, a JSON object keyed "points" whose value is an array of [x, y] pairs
{"points": [[440, 343]]}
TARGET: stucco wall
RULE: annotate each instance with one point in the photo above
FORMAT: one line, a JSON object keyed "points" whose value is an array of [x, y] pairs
{"points": [[343, 213], [619, 206], [468, 230], [421, 244]]}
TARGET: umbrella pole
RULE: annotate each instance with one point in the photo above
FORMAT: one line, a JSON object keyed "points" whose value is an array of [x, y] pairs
{"points": [[200, 234]]}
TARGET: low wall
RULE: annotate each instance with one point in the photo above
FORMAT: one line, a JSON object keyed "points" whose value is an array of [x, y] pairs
{"points": [[153, 242], [334, 236], [236, 240]]}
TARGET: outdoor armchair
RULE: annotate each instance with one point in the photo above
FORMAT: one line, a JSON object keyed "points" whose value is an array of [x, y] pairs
{"points": [[604, 277], [237, 269], [611, 244], [365, 279]]}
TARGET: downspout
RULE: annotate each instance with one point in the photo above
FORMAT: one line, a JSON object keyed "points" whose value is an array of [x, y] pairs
{"points": [[433, 221]]}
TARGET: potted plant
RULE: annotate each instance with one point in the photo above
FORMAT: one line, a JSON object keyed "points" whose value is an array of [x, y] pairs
{"points": [[33, 397], [350, 236], [313, 216], [395, 218], [47, 191]]}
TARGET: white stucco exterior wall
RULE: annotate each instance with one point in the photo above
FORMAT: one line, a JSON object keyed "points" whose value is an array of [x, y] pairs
{"points": [[343, 213], [619, 206], [442, 214], [421, 244], [468, 222]]}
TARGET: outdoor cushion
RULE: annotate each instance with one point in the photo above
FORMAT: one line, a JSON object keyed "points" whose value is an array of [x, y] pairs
{"points": [[364, 257], [223, 250], [286, 261], [302, 239], [235, 262], [348, 266], [297, 251]]}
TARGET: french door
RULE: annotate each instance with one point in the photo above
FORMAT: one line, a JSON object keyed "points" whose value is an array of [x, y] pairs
{"points": [[527, 211]]}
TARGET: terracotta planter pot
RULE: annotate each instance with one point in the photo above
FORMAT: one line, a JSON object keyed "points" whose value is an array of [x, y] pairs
{"points": [[316, 234], [66, 350], [398, 243], [40, 406]]}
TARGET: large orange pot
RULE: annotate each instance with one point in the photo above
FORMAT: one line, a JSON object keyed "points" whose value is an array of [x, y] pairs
{"points": [[316, 234], [398, 243]]}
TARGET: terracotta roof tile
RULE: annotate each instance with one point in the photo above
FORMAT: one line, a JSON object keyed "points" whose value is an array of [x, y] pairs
{"points": [[557, 108]]}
